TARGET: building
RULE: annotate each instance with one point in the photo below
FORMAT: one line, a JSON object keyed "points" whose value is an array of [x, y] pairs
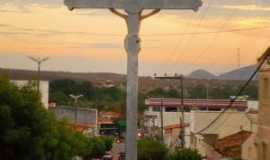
{"points": [[229, 123], [198, 113], [44, 89], [263, 134], [107, 123]]}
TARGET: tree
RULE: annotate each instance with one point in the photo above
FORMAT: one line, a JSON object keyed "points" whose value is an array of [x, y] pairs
{"points": [[30, 132], [24, 123], [149, 149]]}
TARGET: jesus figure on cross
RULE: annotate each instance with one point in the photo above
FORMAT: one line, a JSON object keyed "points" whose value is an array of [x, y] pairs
{"points": [[134, 9]]}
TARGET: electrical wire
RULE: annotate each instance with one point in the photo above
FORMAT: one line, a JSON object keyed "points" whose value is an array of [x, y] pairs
{"points": [[198, 25], [210, 32]]}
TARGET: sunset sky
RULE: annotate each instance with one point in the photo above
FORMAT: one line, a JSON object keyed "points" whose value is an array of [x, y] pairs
{"points": [[172, 41]]}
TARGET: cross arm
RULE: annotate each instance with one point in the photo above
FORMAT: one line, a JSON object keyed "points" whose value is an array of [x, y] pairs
{"points": [[141, 4]]}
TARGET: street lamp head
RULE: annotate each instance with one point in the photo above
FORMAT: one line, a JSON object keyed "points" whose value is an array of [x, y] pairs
{"points": [[38, 60], [33, 58], [45, 59], [75, 96]]}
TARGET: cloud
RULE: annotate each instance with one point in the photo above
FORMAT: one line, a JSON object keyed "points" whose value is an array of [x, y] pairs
{"points": [[103, 45], [30, 2], [255, 8], [13, 30]]}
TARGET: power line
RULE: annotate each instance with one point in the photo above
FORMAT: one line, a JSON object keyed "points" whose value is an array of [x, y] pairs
{"points": [[239, 92], [198, 25], [209, 32], [217, 33]]}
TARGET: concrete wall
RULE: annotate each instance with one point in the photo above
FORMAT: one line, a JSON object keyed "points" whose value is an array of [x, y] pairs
{"points": [[229, 123], [44, 90], [263, 134], [84, 116]]}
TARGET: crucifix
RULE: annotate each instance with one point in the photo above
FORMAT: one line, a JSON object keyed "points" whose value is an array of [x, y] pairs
{"points": [[133, 18]]}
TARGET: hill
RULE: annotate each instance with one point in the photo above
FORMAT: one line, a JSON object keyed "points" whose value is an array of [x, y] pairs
{"points": [[201, 74], [239, 74]]}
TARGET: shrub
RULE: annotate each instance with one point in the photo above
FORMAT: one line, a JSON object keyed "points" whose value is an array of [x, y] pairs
{"points": [[149, 149], [185, 154], [108, 141]]}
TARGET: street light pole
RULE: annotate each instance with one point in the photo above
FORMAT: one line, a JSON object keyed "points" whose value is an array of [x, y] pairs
{"points": [[181, 107], [161, 121], [182, 111], [39, 61], [76, 98]]}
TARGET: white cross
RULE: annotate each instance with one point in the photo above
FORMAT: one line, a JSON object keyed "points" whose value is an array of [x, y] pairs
{"points": [[134, 9]]}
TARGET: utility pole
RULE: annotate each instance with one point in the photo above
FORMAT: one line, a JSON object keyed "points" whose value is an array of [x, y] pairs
{"points": [[182, 135], [161, 120], [39, 61], [181, 107], [76, 99], [207, 89]]}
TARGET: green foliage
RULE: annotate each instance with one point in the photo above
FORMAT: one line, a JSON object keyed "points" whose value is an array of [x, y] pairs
{"points": [[185, 154], [159, 92], [112, 98], [29, 132], [98, 147], [149, 149], [108, 141]]}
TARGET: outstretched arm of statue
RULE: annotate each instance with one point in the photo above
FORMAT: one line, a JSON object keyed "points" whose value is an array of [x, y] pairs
{"points": [[150, 14], [114, 11]]}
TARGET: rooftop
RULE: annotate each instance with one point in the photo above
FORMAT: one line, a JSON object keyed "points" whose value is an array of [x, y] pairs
{"points": [[197, 103]]}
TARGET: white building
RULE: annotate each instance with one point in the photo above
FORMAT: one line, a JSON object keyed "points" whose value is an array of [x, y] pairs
{"points": [[44, 90]]}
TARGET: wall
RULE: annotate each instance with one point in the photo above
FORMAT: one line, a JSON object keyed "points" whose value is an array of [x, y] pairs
{"points": [[263, 135], [229, 123], [249, 151], [84, 116]]}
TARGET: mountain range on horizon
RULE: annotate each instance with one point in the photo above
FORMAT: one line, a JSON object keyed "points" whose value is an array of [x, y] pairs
{"points": [[242, 73]]}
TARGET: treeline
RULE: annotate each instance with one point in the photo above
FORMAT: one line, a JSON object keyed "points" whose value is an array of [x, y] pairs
{"points": [[113, 98]]}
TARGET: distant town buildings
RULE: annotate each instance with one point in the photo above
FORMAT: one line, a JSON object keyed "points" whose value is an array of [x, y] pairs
{"points": [[107, 122], [198, 113]]}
